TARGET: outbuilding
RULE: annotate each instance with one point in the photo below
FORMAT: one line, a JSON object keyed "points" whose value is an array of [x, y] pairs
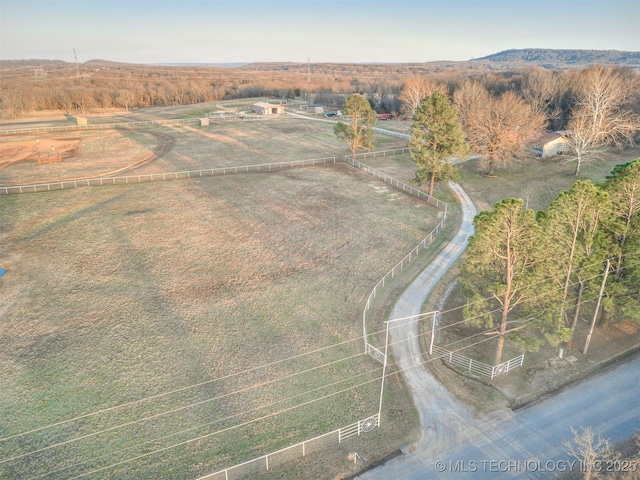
{"points": [[552, 143], [264, 108]]}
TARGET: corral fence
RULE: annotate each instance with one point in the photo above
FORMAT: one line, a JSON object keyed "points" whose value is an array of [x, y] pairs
{"points": [[299, 450], [474, 366], [99, 126], [409, 257], [143, 123], [159, 177]]}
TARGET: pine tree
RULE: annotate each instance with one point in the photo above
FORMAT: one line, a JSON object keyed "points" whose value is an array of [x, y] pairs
{"points": [[571, 227], [623, 229], [502, 260], [436, 136]]}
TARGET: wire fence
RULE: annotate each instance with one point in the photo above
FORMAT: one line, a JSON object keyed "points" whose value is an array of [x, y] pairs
{"points": [[299, 450], [160, 177]]}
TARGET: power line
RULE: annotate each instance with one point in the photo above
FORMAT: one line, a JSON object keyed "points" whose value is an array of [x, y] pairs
{"points": [[268, 415], [153, 397], [440, 328], [234, 392], [175, 410], [261, 408]]}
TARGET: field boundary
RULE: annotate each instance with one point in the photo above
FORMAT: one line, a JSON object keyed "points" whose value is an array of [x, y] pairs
{"points": [[336, 436], [300, 449], [369, 348], [265, 462], [160, 177]]}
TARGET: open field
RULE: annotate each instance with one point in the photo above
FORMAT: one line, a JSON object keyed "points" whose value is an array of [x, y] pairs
{"points": [[122, 293]]}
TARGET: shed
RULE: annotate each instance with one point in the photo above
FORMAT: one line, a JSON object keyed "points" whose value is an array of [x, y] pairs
{"points": [[204, 121], [552, 143], [263, 108]]}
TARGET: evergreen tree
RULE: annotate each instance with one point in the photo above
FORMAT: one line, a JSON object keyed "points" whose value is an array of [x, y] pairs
{"points": [[501, 263], [436, 136], [571, 227], [623, 228]]}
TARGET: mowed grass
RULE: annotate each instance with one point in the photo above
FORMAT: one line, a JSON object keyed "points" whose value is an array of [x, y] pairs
{"points": [[125, 293], [537, 180]]}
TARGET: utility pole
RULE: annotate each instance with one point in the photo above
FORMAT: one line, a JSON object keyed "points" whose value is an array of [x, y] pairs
{"points": [[595, 313], [75, 56]]}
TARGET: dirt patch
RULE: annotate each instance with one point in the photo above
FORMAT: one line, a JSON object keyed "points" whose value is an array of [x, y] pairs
{"points": [[35, 150], [54, 157]]}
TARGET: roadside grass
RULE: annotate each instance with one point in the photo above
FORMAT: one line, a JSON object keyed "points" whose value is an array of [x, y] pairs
{"points": [[120, 293]]}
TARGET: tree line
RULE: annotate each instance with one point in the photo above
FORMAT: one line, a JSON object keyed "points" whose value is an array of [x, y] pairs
{"points": [[526, 274], [541, 267], [29, 87]]}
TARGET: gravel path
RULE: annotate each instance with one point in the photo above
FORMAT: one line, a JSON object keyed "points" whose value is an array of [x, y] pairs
{"points": [[442, 415]]}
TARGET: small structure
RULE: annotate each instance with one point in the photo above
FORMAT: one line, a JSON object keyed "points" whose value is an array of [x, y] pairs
{"points": [[81, 121], [552, 143], [316, 109], [263, 108], [204, 121]]}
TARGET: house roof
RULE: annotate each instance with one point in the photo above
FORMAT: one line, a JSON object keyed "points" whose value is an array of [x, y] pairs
{"points": [[547, 137], [264, 105]]}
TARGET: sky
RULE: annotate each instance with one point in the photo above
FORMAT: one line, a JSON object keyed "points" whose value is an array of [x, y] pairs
{"points": [[242, 31]]}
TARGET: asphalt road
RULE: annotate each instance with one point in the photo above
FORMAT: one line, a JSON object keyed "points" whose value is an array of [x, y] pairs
{"points": [[528, 443]]}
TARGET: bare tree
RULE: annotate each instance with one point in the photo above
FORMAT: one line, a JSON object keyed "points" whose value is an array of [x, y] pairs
{"points": [[598, 117], [543, 90], [415, 90], [499, 128], [591, 451]]}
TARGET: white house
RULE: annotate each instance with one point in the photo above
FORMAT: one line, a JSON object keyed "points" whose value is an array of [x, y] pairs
{"points": [[264, 108], [553, 143]]}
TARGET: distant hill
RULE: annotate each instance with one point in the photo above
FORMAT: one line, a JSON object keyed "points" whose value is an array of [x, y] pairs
{"points": [[551, 58]]}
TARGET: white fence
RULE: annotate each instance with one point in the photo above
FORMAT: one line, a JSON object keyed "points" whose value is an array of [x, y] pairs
{"points": [[98, 126], [266, 462], [370, 349], [144, 123], [159, 177], [475, 366]]}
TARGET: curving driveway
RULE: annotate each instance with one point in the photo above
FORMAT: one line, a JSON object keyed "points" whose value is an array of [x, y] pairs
{"points": [[528, 443], [442, 415]]}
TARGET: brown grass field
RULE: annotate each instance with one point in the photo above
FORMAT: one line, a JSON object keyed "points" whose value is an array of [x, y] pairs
{"points": [[123, 303], [192, 296]]}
